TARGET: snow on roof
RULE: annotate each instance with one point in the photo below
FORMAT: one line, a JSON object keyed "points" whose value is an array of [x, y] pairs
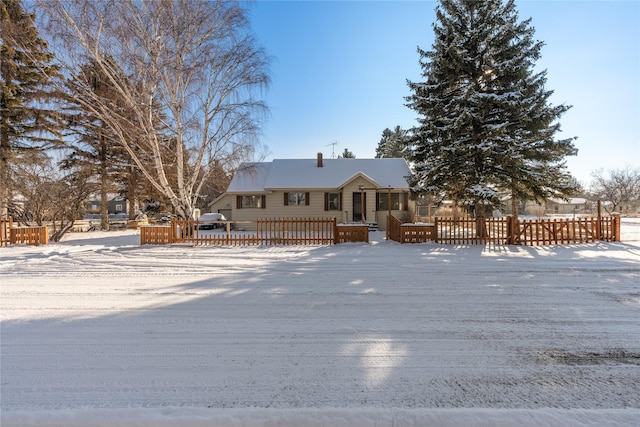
{"points": [[249, 177], [305, 174]]}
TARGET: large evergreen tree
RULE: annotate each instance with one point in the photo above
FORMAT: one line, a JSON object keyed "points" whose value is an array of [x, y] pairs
{"points": [[485, 122], [26, 121], [91, 145], [392, 144]]}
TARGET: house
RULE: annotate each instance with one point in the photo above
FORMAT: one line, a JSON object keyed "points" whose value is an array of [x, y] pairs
{"points": [[527, 208], [571, 206], [351, 190], [118, 205], [551, 207]]}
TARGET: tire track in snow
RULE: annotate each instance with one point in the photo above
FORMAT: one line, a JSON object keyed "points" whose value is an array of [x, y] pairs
{"points": [[340, 327]]}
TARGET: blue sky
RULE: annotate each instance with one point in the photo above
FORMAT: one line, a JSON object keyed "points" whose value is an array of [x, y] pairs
{"points": [[339, 71]]}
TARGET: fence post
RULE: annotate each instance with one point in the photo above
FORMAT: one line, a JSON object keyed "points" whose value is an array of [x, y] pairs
{"points": [[436, 235], [599, 223], [511, 230], [45, 235], [386, 233], [615, 225], [5, 231]]}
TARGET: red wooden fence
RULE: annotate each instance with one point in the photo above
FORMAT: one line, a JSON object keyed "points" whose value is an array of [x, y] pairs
{"points": [[351, 233], [468, 231], [269, 231], [10, 235], [296, 231], [5, 233], [540, 231], [30, 235], [409, 233]]}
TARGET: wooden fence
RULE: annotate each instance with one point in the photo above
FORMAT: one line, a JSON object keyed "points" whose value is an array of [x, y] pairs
{"points": [[409, 233], [296, 231], [30, 235], [540, 231], [5, 231], [325, 231], [351, 233], [394, 228], [156, 235], [269, 231], [508, 230], [466, 231], [418, 233], [10, 235]]}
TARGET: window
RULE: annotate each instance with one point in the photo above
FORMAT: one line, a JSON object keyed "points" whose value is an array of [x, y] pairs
{"points": [[119, 207], [399, 201], [296, 199], [332, 201], [243, 202]]}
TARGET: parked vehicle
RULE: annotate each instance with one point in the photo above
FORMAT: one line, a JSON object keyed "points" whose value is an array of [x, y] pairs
{"points": [[209, 221], [165, 217]]}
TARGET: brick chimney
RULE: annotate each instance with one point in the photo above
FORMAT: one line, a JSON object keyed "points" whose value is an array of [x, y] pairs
{"points": [[319, 160]]}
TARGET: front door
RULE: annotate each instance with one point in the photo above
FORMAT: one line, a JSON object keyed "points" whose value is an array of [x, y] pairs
{"points": [[359, 201]]}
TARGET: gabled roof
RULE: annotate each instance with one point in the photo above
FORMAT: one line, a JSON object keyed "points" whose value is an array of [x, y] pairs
{"points": [[305, 174]]}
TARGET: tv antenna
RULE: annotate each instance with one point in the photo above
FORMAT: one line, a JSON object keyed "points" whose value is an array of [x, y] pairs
{"points": [[333, 148]]}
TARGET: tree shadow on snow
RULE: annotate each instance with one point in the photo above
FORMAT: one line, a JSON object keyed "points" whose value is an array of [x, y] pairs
{"points": [[379, 325]]}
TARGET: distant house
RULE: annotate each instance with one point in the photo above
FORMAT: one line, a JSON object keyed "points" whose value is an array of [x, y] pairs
{"points": [[525, 208], [572, 206], [550, 207], [118, 205], [351, 190]]}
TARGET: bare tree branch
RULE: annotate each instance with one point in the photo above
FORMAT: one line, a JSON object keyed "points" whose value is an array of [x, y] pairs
{"points": [[188, 74], [620, 187]]}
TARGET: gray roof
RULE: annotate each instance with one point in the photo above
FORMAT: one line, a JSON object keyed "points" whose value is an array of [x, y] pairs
{"points": [[304, 174]]}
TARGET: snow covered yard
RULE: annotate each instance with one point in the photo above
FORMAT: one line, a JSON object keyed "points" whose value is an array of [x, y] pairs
{"points": [[98, 330]]}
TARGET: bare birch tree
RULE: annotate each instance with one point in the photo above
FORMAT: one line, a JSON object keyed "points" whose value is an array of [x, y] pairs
{"points": [[188, 73]]}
